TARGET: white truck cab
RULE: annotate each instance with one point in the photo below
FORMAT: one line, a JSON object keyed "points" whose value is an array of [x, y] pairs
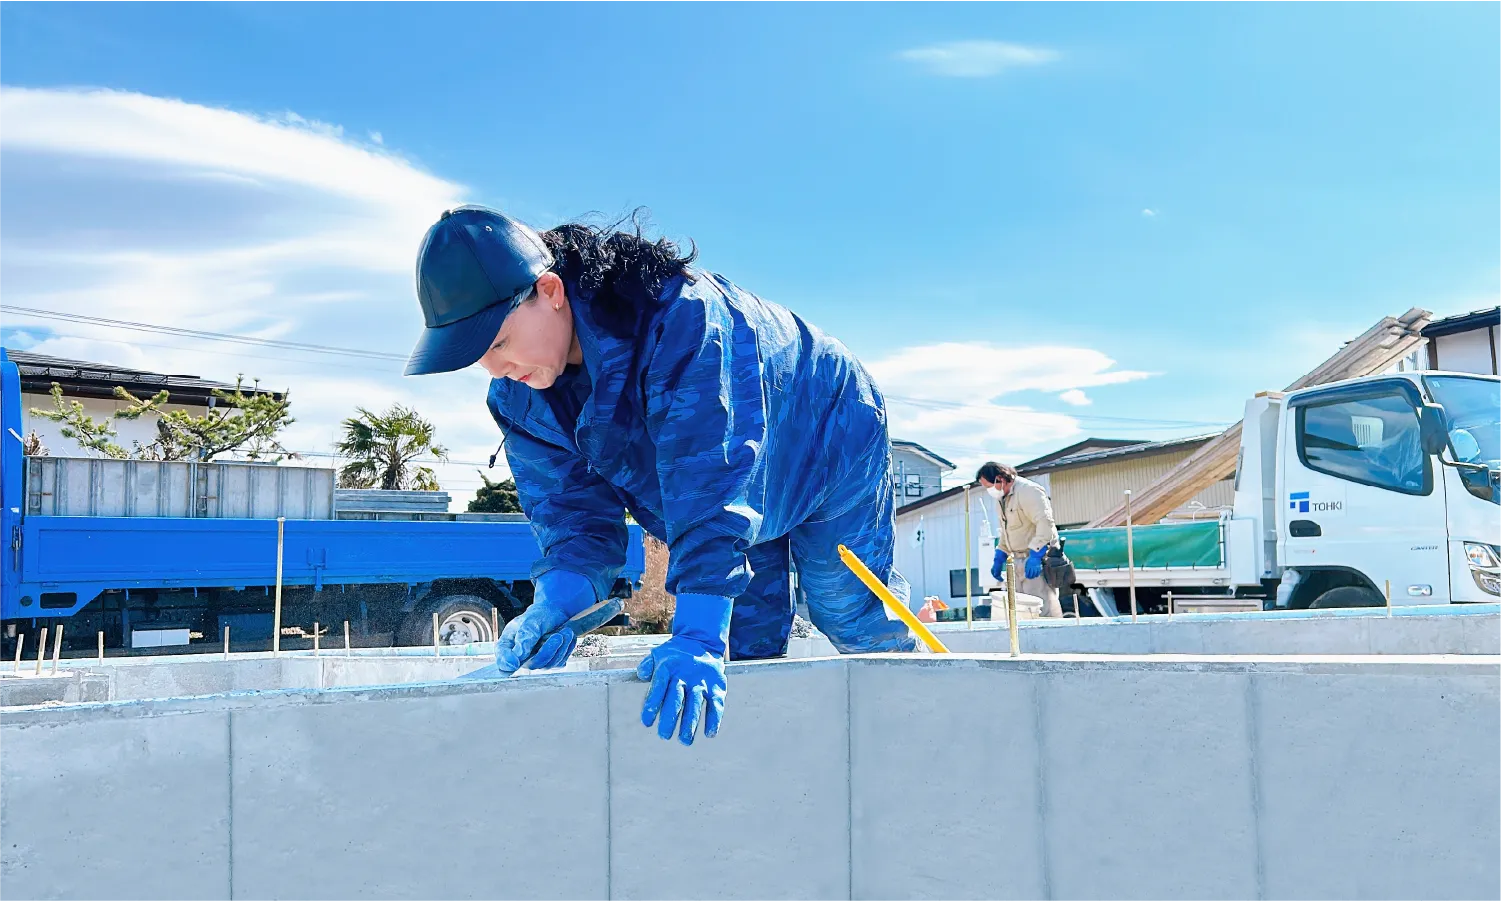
{"points": [[1342, 492], [1390, 479]]}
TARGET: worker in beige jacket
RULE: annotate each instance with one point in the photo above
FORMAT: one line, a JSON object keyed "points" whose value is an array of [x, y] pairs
{"points": [[1027, 531]]}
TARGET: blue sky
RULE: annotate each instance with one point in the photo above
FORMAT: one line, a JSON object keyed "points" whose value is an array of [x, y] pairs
{"points": [[1034, 222]]}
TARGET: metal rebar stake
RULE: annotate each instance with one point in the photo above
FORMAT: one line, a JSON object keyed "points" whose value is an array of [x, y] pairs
{"points": [[1016, 646], [969, 601], [281, 526], [1130, 557]]}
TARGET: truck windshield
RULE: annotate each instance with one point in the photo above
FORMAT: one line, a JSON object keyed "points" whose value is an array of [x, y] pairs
{"points": [[1473, 407]]}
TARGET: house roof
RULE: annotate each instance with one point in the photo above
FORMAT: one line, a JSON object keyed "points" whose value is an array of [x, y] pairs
{"points": [[1142, 449], [914, 447], [80, 378], [1464, 322], [1079, 447], [1123, 450], [930, 500]]}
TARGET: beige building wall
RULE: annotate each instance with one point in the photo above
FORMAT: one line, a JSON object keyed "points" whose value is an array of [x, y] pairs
{"points": [[1082, 493]]}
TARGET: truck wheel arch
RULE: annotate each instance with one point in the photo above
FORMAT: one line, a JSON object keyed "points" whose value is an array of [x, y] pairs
{"points": [[1317, 581]]}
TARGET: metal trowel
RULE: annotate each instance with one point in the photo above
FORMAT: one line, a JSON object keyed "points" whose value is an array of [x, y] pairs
{"points": [[580, 625]]}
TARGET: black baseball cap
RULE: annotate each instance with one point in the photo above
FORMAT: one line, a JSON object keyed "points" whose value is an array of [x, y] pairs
{"points": [[474, 267]]}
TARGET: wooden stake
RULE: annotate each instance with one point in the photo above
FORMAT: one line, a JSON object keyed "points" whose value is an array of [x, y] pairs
{"points": [[315, 638], [1388, 597], [435, 636], [346, 638], [101, 645], [41, 651], [226, 642], [494, 624], [20, 645], [57, 647]]}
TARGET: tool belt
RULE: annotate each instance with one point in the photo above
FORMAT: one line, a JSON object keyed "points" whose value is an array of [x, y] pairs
{"points": [[1057, 569]]}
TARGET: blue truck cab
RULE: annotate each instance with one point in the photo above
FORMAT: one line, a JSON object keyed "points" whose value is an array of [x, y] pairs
{"points": [[172, 583]]}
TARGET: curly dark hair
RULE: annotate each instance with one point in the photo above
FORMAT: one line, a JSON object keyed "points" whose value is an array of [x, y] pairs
{"points": [[620, 274]]}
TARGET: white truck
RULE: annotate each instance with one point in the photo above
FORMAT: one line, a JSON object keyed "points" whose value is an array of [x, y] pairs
{"points": [[1341, 490]]}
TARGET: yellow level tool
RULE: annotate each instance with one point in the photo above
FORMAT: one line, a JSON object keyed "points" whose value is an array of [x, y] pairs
{"points": [[897, 607]]}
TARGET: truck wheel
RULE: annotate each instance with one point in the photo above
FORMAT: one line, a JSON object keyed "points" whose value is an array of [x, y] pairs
{"points": [[1348, 596], [462, 619]]}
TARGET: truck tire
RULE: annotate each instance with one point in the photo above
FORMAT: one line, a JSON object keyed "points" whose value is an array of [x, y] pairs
{"points": [[1348, 596], [462, 618]]}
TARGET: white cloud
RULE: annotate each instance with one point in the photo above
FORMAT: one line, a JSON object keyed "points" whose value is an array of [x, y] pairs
{"points": [[1149, 214], [948, 397], [1075, 397], [141, 208], [977, 59]]}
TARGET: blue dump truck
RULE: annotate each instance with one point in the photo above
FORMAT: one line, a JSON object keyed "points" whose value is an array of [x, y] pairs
{"points": [[162, 556]]}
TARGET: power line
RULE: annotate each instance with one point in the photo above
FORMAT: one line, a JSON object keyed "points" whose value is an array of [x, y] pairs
{"points": [[215, 352], [920, 403], [927, 403], [421, 462], [202, 335]]}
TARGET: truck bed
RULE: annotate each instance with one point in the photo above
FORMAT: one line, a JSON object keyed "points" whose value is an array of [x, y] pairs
{"points": [[1188, 544], [66, 561], [1207, 554]]}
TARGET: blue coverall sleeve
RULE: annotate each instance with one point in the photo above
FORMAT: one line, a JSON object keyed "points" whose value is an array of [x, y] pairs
{"points": [[706, 412], [577, 518]]}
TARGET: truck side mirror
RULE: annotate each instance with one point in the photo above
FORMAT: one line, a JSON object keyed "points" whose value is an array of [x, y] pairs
{"points": [[1433, 427]]}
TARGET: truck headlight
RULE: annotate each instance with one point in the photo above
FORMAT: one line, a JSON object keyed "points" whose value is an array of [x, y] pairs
{"points": [[1482, 556]]}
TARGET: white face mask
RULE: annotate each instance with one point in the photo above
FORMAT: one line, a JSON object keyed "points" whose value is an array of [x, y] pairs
{"points": [[995, 492]]}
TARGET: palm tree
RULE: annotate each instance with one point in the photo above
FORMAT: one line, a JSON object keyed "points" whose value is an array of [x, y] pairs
{"points": [[382, 449]]}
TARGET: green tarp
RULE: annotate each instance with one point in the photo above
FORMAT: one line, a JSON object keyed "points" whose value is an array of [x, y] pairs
{"points": [[1166, 544]]}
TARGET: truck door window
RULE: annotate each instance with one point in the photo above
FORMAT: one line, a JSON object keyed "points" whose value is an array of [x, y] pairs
{"points": [[1372, 440]]}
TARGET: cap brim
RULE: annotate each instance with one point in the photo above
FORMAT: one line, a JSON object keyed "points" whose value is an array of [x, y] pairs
{"points": [[446, 348]]}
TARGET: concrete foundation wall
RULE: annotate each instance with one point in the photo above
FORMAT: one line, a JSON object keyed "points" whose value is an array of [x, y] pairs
{"points": [[1325, 633], [1190, 778], [1411, 631], [1350, 632]]}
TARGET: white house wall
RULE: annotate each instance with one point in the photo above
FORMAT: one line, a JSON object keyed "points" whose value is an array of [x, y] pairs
{"points": [[927, 567], [1473, 351], [129, 430]]}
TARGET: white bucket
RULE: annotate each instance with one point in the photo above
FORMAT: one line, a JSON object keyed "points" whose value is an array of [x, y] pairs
{"points": [[1028, 606]]}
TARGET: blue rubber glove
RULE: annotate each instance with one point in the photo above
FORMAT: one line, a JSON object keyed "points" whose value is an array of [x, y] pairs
{"points": [[998, 567], [687, 670], [1034, 563], [559, 595]]}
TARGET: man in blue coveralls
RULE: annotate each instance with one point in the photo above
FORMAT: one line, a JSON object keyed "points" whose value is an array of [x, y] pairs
{"points": [[740, 435]]}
